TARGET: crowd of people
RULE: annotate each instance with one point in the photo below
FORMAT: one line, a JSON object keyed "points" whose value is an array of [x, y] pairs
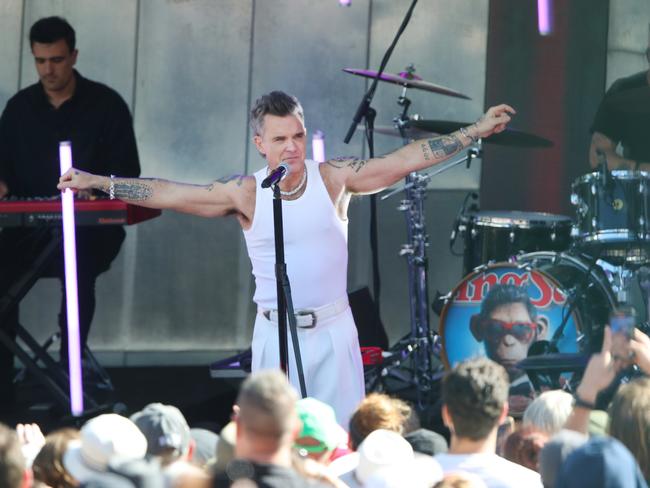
{"points": [[276, 439]]}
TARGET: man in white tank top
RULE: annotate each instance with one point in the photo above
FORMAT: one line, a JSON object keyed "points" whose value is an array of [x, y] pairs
{"points": [[315, 202]]}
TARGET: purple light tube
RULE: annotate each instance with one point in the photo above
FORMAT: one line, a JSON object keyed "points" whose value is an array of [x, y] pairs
{"points": [[345, 3], [544, 17], [318, 146], [72, 300]]}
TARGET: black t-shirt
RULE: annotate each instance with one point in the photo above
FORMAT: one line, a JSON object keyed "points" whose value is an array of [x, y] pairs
{"points": [[96, 120], [629, 127], [264, 476]]}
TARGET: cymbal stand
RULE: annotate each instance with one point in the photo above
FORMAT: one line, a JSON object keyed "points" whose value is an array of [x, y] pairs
{"points": [[419, 347]]}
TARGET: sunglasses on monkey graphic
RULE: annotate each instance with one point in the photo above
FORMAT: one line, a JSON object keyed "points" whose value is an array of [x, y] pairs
{"points": [[494, 330]]}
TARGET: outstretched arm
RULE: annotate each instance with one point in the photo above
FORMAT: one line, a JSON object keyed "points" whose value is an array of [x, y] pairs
{"points": [[222, 197], [373, 175]]}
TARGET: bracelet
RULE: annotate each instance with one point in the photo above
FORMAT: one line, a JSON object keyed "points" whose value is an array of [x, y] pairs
{"points": [[579, 402], [111, 189], [465, 133]]}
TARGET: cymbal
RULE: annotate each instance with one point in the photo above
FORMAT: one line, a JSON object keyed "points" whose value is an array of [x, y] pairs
{"points": [[407, 80], [634, 100], [509, 137], [389, 130]]}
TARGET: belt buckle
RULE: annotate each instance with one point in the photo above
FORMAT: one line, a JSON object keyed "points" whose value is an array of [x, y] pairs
{"points": [[303, 313]]}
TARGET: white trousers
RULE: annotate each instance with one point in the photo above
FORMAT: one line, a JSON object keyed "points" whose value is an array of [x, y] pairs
{"points": [[331, 360]]}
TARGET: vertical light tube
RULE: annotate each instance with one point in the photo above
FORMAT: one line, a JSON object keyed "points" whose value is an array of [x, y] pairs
{"points": [[544, 17], [72, 298], [318, 146]]}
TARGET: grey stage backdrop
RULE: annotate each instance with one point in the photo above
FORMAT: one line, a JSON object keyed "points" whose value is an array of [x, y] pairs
{"points": [[189, 69]]}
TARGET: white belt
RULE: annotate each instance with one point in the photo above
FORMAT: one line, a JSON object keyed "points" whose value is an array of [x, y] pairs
{"points": [[308, 318]]}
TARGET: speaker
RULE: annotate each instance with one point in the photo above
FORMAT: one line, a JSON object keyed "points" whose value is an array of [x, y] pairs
{"points": [[369, 326]]}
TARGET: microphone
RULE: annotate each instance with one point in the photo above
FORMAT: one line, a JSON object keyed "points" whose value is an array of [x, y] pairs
{"points": [[602, 167], [276, 175]]}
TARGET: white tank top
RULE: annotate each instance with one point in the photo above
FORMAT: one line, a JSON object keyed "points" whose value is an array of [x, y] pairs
{"points": [[315, 245]]}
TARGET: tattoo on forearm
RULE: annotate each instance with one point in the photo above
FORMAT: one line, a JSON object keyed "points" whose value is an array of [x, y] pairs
{"points": [[426, 152], [444, 146], [132, 190]]}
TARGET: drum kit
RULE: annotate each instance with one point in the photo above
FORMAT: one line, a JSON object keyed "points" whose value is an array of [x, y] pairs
{"points": [[572, 272]]}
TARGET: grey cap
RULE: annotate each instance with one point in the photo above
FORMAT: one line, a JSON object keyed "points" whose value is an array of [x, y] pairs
{"points": [[164, 427]]}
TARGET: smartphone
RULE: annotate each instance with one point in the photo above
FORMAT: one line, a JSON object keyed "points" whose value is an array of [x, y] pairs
{"points": [[622, 323]]}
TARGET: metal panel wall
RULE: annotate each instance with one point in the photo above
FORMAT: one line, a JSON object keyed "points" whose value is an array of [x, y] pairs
{"points": [[628, 38], [190, 71], [10, 39]]}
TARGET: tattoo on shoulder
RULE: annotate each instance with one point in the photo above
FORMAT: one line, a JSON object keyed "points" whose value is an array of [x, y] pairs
{"points": [[355, 163], [444, 146], [133, 190]]}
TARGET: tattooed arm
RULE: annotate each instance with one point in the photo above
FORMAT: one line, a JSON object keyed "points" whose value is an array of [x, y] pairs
{"points": [[370, 176], [222, 197]]}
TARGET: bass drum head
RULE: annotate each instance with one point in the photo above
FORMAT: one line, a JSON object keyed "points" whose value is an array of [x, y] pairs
{"points": [[501, 310]]}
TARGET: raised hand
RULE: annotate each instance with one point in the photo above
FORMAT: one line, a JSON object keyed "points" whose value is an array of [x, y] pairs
{"points": [[495, 120]]}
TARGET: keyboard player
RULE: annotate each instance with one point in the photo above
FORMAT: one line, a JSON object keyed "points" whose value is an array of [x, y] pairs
{"points": [[62, 105]]}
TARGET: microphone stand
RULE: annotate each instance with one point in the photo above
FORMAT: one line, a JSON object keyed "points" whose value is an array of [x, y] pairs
{"points": [[283, 290], [366, 112]]}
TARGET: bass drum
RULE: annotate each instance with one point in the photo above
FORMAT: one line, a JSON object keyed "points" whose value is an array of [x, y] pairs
{"points": [[564, 291]]}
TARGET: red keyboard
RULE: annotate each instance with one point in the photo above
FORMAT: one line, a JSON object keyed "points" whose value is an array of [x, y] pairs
{"points": [[32, 213]]}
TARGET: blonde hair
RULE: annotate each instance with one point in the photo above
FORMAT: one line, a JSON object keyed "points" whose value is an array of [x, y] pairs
{"points": [[629, 415]]}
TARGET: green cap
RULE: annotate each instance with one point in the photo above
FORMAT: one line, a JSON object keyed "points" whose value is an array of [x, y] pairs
{"points": [[318, 422]]}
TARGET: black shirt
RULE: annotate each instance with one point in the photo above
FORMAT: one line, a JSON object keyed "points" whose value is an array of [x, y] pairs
{"points": [[629, 127], [95, 119], [264, 476]]}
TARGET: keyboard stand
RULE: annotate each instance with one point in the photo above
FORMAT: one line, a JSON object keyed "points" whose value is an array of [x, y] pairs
{"points": [[53, 376]]}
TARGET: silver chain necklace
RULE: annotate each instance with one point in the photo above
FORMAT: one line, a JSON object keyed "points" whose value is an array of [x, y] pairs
{"points": [[297, 188]]}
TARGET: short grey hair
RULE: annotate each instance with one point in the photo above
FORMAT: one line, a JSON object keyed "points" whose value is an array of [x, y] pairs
{"points": [[549, 411], [274, 103], [267, 404]]}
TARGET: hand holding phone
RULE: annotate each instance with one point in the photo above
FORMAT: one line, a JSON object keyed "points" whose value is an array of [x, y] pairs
{"points": [[622, 323]]}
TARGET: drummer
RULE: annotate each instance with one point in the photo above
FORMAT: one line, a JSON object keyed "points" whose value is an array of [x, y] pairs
{"points": [[623, 117]]}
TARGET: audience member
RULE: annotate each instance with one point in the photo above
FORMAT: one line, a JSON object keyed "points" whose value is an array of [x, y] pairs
{"points": [[385, 456], [267, 427], [549, 412], [31, 440], [13, 471], [426, 441], [600, 373], [629, 415], [523, 447], [205, 447], [379, 411], [475, 403], [603, 462], [320, 434], [555, 452], [225, 447], [103, 438], [167, 433], [48, 463]]}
